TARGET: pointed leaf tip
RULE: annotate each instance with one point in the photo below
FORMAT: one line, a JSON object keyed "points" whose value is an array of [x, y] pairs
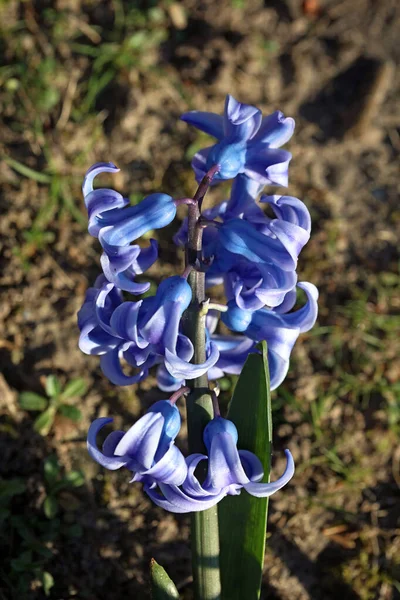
{"points": [[162, 587]]}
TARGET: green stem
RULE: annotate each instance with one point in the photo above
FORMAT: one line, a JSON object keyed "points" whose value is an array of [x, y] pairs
{"points": [[204, 525]]}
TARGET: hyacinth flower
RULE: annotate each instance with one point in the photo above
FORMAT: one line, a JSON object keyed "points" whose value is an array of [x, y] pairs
{"points": [[143, 333], [147, 449], [247, 143], [229, 470], [117, 225], [279, 329], [254, 256]]}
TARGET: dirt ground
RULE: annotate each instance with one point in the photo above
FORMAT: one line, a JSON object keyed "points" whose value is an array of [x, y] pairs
{"points": [[106, 81]]}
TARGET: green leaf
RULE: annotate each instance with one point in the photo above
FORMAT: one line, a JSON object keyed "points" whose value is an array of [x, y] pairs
{"points": [[51, 470], [162, 587], [71, 412], [32, 401], [243, 519], [75, 388], [74, 478], [10, 488], [50, 507], [47, 581], [44, 421], [53, 386]]}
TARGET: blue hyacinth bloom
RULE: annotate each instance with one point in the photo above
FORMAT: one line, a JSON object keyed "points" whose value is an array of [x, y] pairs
{"points": [[279, 329], [117, 225], [229, 471], [147, 448], [247, 143], [143, 333]]}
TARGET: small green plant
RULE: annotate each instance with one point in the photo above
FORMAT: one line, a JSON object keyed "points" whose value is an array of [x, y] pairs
{"points": [[55, 402], [55, 481]]}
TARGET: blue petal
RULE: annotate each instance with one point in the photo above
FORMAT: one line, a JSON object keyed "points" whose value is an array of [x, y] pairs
{"points": [[121, 265], [216, 426], [244, 192], [288, 302], [267, 166], [241, 121], [224, 466], [241, 237], [102, 201], [199, 163], [175, 500], [230, 156], [233, 353], [182, 369], [263, 490], [254, 286], [123, 322], [93, 340], [166, 382], [305, 317], [153, 212], [288, 208], [109, 462], [141, 441], [205, 121], [102, 167], [251, 465], [160, 318], [292, 237], [170, 469], [111, 367], [275, 130]]}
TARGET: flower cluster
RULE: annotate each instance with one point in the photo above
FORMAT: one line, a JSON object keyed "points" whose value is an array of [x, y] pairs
{"points": [[252, 255], [149, 452]]}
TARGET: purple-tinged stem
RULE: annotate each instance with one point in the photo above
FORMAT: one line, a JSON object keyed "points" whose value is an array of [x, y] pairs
{"points": [[176, 395], [204, 524]]}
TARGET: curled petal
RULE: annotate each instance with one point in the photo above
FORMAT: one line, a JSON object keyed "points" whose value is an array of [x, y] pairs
{"points": [[292, 237], [263, 490], [288, 302], [111, 367], [123, 322], [102, 167], [267, 165], [290, 209], [141, 441], [233, 353], [166, 382], [251, 465], [175, 500], [275, 130], [305, 317], [104, 458], [94, 340], [98, 203], [241, 237], [205, 121], [182, 369], [241, 121], [170, 469]]}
